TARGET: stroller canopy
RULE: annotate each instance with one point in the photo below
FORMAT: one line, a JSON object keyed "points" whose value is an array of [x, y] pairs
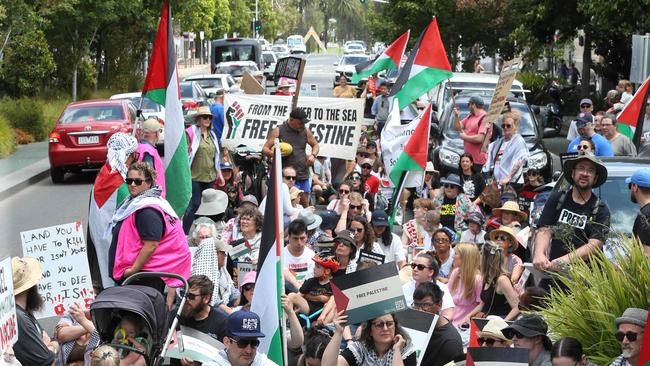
{"points": [[142, 300]]}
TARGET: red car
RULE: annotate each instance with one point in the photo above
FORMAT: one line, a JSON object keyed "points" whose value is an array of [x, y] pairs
{"points": [[79, 138]]}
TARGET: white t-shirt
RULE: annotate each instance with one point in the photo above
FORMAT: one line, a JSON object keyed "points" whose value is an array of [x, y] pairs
{"points": [[447, 301], [301, 267], [395, 252]]}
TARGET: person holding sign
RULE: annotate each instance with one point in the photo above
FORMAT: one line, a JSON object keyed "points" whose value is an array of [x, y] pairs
{"points": [[382, 342], [294, 133], [34, 346], [147, 234], [473, 131]]}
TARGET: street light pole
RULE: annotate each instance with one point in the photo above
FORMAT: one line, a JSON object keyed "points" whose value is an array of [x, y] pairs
{"points": [[257, 19]]}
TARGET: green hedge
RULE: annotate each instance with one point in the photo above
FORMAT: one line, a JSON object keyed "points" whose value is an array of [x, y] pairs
{"points": [[26, 114], [7, 138]]}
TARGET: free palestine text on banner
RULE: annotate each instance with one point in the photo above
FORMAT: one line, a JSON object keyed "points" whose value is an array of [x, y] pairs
{"points": [[369, 293], [335, 122]]}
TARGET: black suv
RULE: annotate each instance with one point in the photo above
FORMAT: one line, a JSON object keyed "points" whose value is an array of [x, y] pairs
{"points": [[450, 146]]}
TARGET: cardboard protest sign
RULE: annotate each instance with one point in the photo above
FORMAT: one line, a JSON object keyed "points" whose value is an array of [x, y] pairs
{"points": [[369, 293], [334, 122], [419, 325], [496, 356], [288, 67], [194, 345], [250, 85], [507, 76], [8, 325], [566, 156], [61, 249], [242, 269]]}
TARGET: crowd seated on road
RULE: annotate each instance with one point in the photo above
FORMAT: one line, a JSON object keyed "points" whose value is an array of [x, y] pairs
{"points": [[461, 244]]}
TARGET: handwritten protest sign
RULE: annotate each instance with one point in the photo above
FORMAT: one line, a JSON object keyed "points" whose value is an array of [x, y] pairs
{"points": [[61, 249], [8, 325], [369, 293], [335, 122], [507, 76]]}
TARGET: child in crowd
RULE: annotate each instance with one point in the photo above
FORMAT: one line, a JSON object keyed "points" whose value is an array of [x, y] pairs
{"points": [[474, 233], [129, 332], [316, 290]]}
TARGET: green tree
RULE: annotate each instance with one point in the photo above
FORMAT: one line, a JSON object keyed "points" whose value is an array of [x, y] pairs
{"points": [[196, 16], [241, 18], [220, 21], [27, 60]]}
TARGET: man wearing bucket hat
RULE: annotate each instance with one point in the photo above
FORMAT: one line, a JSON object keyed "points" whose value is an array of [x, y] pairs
{"points": [[639, 184], [294, 132], [529, 331], [33, 347], [454, 205], [584, 216], [243, 329], [631, 327], [147, 152], [474, 232], [205, 156]]}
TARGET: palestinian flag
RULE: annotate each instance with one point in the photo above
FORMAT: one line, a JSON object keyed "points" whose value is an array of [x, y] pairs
{"points": [[270, 284], [412, 161], [161, 86], [495, 356], [630, 120], [389, 59], [106, 196], [644, 358], [426, 66]]}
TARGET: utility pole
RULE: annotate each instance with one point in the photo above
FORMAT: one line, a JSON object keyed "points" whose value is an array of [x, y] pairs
{"points": [[257, 19]]}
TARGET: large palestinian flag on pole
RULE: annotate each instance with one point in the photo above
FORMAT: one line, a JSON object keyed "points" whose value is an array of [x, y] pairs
{"points": [[269, 284], [408, 170], [630, 120], [389, 59], [106, 196], [426, 66], [161, 86]]}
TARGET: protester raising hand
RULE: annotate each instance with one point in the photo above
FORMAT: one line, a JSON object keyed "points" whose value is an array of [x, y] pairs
{"points": [[331, 355]]}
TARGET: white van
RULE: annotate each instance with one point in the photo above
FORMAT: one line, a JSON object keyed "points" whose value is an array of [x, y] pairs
{"points": [[296, 44]]}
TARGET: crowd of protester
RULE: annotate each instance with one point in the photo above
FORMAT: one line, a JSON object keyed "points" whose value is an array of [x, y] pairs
{"points": [[460, 253]]}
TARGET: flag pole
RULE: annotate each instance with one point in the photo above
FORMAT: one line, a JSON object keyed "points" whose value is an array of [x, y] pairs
{"points": [[280, 236]]}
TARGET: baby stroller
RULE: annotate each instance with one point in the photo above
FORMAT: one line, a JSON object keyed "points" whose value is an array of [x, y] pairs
{"points": [[145, 303]]}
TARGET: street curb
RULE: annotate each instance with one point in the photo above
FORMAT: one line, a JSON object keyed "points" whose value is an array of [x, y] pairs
{"points": [[22, 178]]}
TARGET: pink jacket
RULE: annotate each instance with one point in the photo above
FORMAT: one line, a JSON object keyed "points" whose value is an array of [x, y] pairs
{"points": [[145, 147], [171, 255]]}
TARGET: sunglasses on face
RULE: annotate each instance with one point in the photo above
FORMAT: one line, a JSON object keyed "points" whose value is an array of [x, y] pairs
{"points": [[248, 287], [190, 296], [631, 336], [584, 147], [290, 177], [419, 266], [344, 191], [532, 174], [366, 167], [356, 207], [447, 185], [203, 117], [585, 105], [501, 237], [243, 343], [507, 125], [381, 325], [514, 334], [136, 181], [487, 341], [356, 230]]}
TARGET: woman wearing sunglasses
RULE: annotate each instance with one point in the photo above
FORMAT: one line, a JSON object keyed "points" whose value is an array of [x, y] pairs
{"points": [[453, 204], [425, 270], [529, 191], [498, 296], [382, 343], [507, 154], [344, 192], [491, 335], [147, 234], [364, 235]]}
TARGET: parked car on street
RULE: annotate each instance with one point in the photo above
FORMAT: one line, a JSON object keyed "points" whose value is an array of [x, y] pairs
{"points": [[236, 69], [296, 44], [79, 137], [281, 50], [148, 107], [211, 83], [450, 146], [345, 66], [192, 97]]}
